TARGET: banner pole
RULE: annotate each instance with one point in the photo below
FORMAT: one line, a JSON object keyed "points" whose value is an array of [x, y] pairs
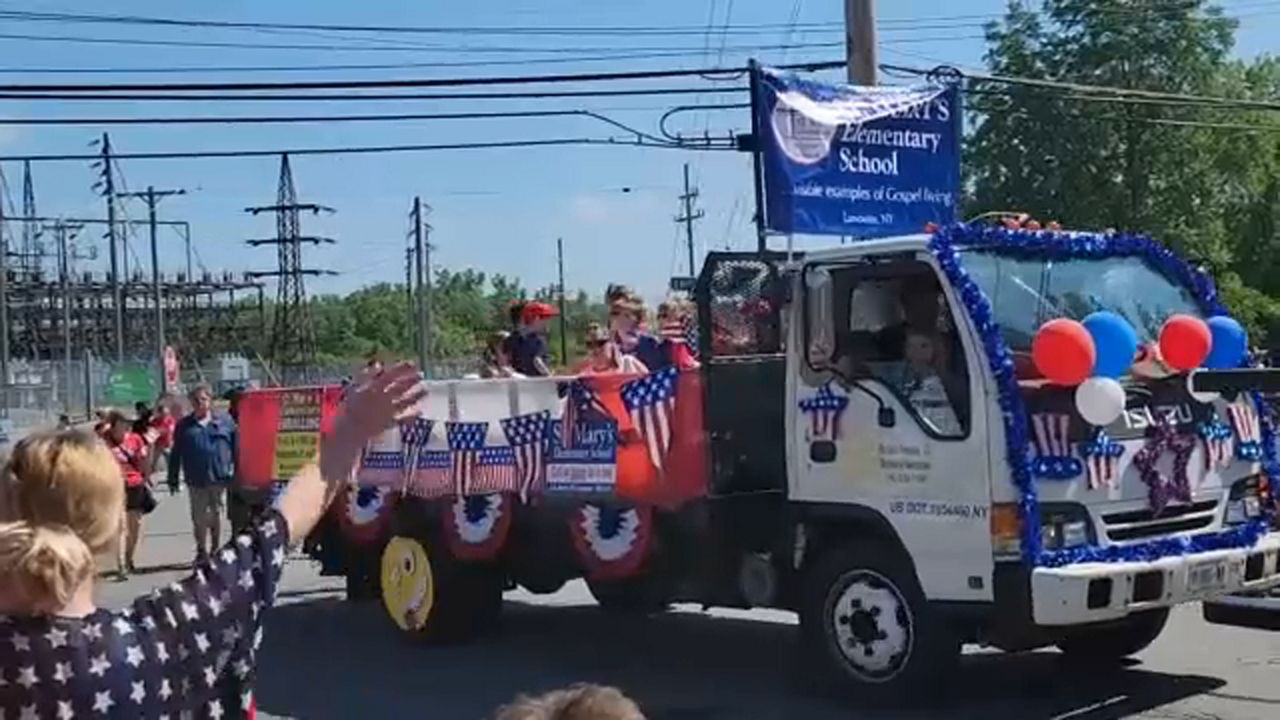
{"points": [[757, 164]]}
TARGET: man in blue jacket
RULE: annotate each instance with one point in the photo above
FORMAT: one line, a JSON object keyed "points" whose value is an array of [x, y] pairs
{"points": [[204, 445]]}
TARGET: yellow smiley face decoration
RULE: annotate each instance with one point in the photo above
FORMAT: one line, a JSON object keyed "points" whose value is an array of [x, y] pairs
{"points": [[408, 585]]}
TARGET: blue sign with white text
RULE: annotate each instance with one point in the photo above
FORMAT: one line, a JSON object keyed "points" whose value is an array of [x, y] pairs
{"points": [[586, 460], [860, 161]]}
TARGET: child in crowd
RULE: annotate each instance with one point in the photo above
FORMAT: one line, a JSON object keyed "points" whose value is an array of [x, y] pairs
{"points": [[603, 356], [527, 347]]}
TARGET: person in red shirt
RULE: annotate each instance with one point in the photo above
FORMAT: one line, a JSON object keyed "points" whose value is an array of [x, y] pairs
{"points": [[131, 454], [161, 429]]}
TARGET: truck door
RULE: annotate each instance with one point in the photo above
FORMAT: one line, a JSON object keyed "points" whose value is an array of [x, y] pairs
{"points": [[887, 413], [744, 372]]}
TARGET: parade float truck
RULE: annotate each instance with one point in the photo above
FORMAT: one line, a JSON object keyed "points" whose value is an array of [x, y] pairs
{"points": [[1018, 438]]}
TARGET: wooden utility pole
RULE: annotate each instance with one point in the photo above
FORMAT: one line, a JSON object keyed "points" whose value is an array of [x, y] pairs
{"points": [[688, 216], [860, 41], [408, 297], [564, 325], [422, 256], [152, 197], [117, 295]]}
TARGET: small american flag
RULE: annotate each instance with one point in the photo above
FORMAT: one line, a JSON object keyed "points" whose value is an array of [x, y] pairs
{"points": [[1218, 445], [431, 477], [527, 435], [651, 402], [495, 471], [465, 441], [691, 334], [581, 402], [1101, 459], [1248, 429], [824, 411]]}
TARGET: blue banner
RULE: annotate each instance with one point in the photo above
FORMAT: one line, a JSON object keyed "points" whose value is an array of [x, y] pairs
{"points": [[586, 461], [859, 161]]}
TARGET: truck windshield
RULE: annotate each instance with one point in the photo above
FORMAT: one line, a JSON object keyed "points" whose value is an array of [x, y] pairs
{"points": [[1025, 292]]}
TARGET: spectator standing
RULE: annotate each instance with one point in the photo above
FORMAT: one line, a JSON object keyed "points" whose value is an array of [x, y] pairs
{"points": [[161, 428], [203, 454], [527, 347], [131, 455]]}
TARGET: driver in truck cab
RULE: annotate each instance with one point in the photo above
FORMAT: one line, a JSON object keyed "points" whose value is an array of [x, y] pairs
{"points": [[916, 378]]}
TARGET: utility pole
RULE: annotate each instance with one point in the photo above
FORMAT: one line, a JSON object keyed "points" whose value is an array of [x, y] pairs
{"points": [[4, 315], [688, 216], [153, 196], [860, 41], [186, 240], [564, 336], [408, 297], [423, 305], [109, 192], [64, 232]]}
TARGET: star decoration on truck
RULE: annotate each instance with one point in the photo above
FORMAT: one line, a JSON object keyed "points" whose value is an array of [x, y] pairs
{"points": [[824, 410], [1161, 490]]}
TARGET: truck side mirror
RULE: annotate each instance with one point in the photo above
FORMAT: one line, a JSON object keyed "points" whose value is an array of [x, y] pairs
{"points": [[886, 417]]}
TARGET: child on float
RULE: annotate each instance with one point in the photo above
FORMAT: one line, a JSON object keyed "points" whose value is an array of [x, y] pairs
{"points": [[603, 357], [626, 324]]}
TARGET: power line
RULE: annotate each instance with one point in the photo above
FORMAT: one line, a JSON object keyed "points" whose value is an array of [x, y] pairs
{"points": [[407, 83], [362, 150], [615, 53], [283, 119], [365, 97]]}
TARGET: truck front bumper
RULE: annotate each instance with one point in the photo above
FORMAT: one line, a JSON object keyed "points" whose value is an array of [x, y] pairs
{"points": [[1094, 592]]}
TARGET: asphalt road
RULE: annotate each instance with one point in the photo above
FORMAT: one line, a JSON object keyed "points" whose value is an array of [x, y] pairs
{"points": [[323, 658]]}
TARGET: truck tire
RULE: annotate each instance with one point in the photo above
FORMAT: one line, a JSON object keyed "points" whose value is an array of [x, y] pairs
{"points": [[1112, 642], [363, 583], [865, 623], [637, 595], [432, 597]]}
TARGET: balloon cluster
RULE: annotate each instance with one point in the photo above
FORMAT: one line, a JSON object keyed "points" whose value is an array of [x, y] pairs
{"points": [[1092, 353]]}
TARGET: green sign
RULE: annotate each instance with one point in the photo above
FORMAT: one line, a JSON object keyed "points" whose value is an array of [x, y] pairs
{"points": [[128, 385]]}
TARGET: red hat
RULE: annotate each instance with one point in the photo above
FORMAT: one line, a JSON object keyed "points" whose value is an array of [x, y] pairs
{"points": [[537, 311]]}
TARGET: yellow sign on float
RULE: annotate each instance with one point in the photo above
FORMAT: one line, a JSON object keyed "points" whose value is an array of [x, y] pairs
{"points": [[408, 584], [297, 433]]}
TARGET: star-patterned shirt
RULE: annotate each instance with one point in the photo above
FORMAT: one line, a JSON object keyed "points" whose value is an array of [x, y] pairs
{"points": [[183, 651]]}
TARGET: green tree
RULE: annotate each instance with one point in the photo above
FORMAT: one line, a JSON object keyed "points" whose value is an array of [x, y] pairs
{"points": [[1179, 171]]}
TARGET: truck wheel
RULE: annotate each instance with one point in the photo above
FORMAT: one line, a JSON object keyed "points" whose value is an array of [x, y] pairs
{"points": [[362, 574], [639, 594], [864, 618], [434, 598], [1114, 641]]}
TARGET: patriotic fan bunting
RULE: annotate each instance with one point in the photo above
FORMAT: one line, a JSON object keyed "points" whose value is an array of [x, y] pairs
{"points": [[527, 435], [477, 526], [1101, 457], [1248, 429], [612, 542], [1218, 442], [1054, 459], [364, 512], [824, 411], [650, 400], [466, 440]]}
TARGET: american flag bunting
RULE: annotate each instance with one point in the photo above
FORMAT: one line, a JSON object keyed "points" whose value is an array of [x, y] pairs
{"points": [[527, 435], [466, 439]]}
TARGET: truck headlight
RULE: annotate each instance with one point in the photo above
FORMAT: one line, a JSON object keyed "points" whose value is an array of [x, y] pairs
{"points": [[1064, 525], [1244, 502]]}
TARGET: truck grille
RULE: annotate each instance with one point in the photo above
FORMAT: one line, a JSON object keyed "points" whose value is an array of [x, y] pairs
{"points": [[1174, 519]]}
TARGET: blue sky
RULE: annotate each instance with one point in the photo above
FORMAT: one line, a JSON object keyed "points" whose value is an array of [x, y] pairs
{"points": [[496, 210]]}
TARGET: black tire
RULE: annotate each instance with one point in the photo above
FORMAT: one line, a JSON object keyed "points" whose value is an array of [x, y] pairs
{"points": [[1112, 642], [637, 595], [865, 623], [363, 567], [466, 598]]}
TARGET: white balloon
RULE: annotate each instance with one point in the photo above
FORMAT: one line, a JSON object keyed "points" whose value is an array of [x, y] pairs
{"points": [[1200, 397], [1100, 400]]}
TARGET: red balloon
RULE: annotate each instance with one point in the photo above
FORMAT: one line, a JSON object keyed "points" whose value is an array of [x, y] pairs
{"points": [[1185, 341], [1063, 351]]}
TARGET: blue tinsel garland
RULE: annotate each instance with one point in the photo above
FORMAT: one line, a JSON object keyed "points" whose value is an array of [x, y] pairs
{"points": [[1053, 245]]}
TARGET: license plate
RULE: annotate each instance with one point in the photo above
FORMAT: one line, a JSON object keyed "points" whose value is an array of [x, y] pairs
{"points": [[1207, 577]]}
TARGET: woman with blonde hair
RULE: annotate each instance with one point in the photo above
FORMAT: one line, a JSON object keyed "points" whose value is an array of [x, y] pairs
{"points": [[187, 650], [603, 356]]}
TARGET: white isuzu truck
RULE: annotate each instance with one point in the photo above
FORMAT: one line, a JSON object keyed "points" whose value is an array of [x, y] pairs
{"points": [[866, 442]]}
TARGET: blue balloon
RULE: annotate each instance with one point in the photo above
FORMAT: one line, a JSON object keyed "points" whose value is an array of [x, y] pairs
{"points": [[1230, 343], [1115, 340]]}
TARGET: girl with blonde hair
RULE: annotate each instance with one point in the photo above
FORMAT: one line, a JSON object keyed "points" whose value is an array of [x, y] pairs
{"points": [[187, 650]]}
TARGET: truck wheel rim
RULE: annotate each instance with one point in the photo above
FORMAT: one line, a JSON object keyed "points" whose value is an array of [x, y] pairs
{"points": [[871, 626], [408, 583]]}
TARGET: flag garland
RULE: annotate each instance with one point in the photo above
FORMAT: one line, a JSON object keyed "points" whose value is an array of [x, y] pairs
{"points": [[466, 439], [528, 437]]}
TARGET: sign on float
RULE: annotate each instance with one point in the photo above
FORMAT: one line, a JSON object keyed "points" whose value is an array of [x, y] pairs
{"points": [[857, 161]]}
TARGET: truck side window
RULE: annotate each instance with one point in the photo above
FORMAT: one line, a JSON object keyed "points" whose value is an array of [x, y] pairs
{"points": [[892, 323]]}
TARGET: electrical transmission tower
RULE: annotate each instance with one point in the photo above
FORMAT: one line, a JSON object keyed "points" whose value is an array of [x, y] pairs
{"points": [[32, 253], [292, 349]]}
